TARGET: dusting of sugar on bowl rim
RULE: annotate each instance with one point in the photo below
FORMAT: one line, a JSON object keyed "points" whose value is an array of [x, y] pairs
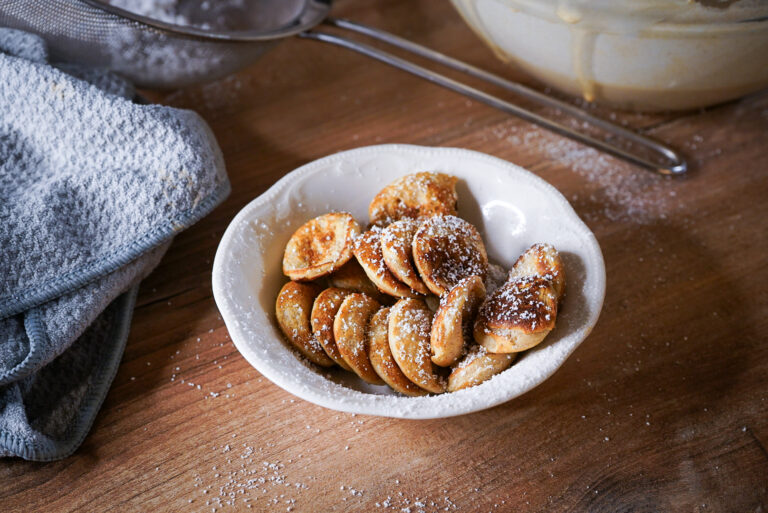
{"points": [[511, 207]]}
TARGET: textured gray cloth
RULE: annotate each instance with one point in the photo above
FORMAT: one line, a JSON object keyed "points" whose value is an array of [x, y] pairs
{"points": [[93, 187]]}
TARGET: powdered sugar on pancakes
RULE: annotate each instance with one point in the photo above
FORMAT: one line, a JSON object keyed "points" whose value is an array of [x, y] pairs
{"points": [[447, 249], [410, 323], [396, 248], [293, 308], [381, 356], [416, 195], [320, 246], [544, 261], [478, 366], [452, 324], [525, 303], [350, 329], [367, 250]]}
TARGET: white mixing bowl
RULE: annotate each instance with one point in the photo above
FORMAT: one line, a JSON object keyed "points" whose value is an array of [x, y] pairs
{"points": [[635, 54]]}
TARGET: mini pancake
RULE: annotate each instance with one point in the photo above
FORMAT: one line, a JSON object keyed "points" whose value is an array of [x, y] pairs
{"points": [[292, 309], [350, 329], [453, 320], [541, 260], [478, 366], [410, 321], [324, 311], [416, 195], [396, 249], [381, 356], [517, 316], [368, 253], [351, 276], [320, 246], [447, 249]]}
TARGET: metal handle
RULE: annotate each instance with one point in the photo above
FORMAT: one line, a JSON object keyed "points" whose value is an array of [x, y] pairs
{"points": [[670, 163]]}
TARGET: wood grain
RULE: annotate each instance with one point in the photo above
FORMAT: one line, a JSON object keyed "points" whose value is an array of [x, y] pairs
{"points": [[662, 408]]}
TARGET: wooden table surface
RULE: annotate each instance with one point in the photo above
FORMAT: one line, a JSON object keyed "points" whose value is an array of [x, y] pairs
{"points": [[662, 408]]}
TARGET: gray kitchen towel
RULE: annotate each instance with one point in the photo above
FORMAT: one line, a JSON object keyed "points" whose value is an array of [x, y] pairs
{"points": [[93, 187]]}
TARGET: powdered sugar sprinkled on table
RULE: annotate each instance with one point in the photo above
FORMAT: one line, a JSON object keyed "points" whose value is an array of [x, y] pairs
{"points": [[625, 192]]}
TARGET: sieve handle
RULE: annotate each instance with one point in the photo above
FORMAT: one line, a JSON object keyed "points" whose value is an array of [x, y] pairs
{"points": [[669, 162]]}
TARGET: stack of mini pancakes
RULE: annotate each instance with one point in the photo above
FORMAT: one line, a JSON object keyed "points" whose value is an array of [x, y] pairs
{"points": [[404, 303]]}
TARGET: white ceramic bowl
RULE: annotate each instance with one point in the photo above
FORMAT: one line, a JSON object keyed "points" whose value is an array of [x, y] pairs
{"points": [[510, 206]]}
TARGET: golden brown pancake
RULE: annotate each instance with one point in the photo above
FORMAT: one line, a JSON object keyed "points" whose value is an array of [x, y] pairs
{"points": [[397, 251], [350, 329], [410, 321], [517, 316], [368, 253], [453, 320], [320, 246], [478, 366], [416, 195], [381, 356], [447, 249], [541, 260], [351, 276], [324, 311], [292, 309]]}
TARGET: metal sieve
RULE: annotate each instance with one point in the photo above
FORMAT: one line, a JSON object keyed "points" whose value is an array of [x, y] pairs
{"points": [[226, 36]]}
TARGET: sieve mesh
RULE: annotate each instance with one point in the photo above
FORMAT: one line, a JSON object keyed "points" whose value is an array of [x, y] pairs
{"points": [[79, 33]]}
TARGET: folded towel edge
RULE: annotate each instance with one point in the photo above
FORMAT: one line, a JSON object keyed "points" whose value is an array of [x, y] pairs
{"points": [[50, 450], [35, 333], [20, 301]]}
